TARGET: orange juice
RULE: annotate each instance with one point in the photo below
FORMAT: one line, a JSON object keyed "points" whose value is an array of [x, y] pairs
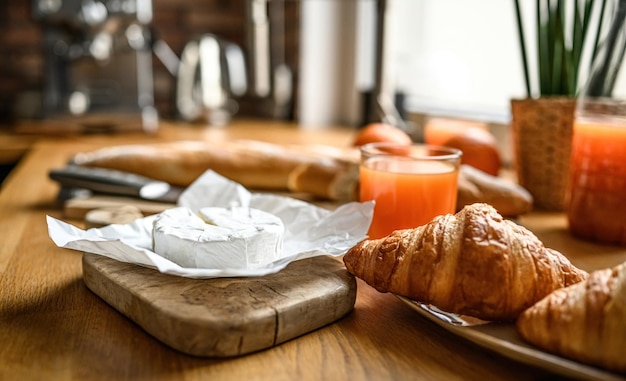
{"points": [[408, 192], [597, 190]]}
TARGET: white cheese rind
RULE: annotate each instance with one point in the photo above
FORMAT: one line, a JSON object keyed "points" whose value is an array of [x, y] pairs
{"points": [[218, 238]]}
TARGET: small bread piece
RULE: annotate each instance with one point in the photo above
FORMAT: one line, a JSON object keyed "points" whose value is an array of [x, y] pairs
{"points": [[124, 214], [509, 199], [585, 322], [474, 263], [334, 180]]}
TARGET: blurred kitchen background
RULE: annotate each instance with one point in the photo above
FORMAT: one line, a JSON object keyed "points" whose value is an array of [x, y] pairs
{"points": [[62, 56], [316, 62]]}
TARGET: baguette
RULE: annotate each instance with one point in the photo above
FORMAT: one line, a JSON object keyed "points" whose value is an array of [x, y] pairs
{"points": [[325, 173]]}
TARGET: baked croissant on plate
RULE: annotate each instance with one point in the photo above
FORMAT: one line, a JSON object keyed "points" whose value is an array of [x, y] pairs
{"points": [[585, 322], [474, 263]]}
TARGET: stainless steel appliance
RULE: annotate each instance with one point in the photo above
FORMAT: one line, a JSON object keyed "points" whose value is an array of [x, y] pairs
{"points": [[98, 63]]}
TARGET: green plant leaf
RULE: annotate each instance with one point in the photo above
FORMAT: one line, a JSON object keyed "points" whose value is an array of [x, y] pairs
{"points": [[543, 42], [558, 49], [598, 33], [563, 33], [522, 44]]}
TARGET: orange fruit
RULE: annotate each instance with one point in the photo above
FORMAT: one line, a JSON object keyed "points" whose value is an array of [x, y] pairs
{"points": [[381, 132], [437, 130], [479, 149]]}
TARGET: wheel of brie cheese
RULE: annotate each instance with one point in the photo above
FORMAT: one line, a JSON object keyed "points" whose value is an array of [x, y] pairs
{"points": [[218, 238]]}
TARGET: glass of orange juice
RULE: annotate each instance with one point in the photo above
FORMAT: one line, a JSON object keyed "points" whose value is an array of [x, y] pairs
{"points": [[410, 184], [595, 204]]}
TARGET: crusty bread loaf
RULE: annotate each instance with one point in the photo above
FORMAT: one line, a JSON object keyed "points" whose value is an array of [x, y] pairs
{"points": [[333, 181], [325, 172], [508, 198]]}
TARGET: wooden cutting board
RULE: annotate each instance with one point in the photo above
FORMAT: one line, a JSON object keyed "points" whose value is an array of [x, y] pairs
{"points": [[225, 317], [77, 208]]}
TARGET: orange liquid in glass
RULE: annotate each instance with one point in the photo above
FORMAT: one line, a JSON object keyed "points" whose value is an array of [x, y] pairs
{"points": [[597, 192], [407, 194]]}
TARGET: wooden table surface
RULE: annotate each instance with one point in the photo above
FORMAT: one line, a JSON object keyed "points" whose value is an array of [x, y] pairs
{"points": [[53, 328]]}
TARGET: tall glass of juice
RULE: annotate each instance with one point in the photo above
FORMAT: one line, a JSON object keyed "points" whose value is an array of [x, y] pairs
{"points": [[596, 196], [410, 184], [597, 189]]}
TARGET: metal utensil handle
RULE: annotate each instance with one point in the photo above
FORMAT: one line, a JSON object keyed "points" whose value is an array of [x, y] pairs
{"points": [[104, 180]]}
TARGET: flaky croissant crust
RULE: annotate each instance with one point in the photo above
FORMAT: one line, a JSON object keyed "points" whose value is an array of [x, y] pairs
{"points": [[474, 263], [585, 322]]}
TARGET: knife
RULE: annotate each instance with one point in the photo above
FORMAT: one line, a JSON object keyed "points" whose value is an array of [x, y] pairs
{"points": [[114, 182]]}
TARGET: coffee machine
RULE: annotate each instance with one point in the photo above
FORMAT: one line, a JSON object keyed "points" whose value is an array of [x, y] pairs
{"points": [[97, 64]]}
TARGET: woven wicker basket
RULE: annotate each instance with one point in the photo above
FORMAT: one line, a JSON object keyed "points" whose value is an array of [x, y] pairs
{"points": [[542, 139]]}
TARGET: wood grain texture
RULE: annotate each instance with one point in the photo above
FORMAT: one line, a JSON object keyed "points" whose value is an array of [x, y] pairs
{"points": [[226, 316], [52, 327]]}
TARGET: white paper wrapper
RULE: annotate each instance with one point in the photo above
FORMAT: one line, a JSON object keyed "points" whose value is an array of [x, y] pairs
{"points": [[309, 230]]}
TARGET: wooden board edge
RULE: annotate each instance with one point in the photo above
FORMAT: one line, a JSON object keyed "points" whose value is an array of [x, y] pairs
{"points": [[128, 305]]}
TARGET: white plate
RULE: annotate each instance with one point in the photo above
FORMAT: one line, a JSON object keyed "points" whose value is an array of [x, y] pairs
{"points": [[503, 339]]}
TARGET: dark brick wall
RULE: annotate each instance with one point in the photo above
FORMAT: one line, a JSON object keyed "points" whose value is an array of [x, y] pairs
{"points": [[20, 62], [174, 21]]}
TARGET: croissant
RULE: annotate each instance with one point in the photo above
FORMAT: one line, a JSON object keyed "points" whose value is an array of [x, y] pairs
{"points": [[585, 322], [473, 263]]}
